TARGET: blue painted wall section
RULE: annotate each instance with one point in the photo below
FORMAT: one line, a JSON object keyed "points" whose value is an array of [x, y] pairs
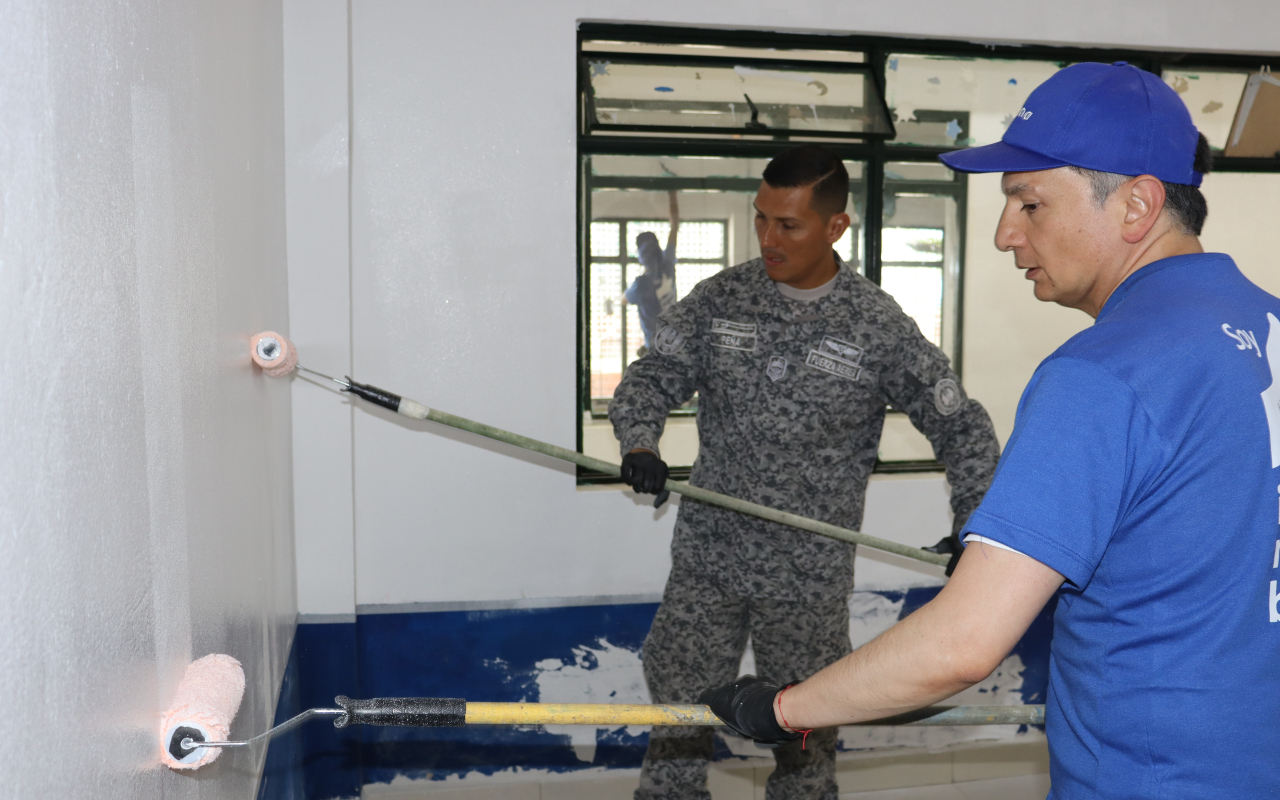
{"points": [[480, 655]]}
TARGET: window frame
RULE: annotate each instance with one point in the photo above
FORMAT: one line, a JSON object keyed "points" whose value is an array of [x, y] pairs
{"points": [[624, 260], [875, 152], [591, 125]]}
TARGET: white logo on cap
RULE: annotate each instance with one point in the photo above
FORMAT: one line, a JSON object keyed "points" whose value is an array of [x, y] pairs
{"points": [[1023, 113]]}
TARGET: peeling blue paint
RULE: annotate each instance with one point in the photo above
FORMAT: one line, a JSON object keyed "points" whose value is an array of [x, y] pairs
{"points": [[498, 656]]}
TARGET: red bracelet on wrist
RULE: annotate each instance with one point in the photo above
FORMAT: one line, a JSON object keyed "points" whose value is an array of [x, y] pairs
{"points": [[786, 724]]}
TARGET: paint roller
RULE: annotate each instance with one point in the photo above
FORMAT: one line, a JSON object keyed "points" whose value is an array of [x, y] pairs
{"points": [[278, 357], [196, 729]]}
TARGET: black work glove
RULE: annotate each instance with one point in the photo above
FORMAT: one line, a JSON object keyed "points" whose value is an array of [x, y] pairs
{"points": [[746, 707], [644, 472], [949, 546]]}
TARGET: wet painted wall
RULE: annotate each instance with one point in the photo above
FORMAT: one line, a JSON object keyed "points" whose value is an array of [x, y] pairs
{"points": [[145, 489]]}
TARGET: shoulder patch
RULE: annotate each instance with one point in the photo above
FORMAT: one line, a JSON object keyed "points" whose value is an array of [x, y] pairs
{"points": [[669, 341], [947, 397]]}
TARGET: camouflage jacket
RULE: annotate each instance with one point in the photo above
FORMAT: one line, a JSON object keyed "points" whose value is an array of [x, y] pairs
{"points": [[791, 405]]}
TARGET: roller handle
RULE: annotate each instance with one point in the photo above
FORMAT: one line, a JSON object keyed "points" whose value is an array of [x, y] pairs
{"points": [[374, 395], [405, 712]]}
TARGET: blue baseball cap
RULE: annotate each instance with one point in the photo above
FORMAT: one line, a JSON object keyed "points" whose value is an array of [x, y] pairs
{"points": [[1105, 117]]}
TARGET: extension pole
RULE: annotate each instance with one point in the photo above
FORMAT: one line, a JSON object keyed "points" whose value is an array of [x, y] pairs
{"points": [[610, 715], [453, 712], [416, 410]]}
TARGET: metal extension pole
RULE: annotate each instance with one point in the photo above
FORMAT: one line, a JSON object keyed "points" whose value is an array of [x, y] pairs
{"points": [[416, 410]]}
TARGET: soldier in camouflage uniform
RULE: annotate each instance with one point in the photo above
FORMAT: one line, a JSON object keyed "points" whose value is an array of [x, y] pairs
{"points": [[792, 395]]}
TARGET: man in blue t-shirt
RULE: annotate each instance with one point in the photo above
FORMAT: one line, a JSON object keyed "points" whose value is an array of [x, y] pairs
{"points": [[654, 290], [1139, 486]]}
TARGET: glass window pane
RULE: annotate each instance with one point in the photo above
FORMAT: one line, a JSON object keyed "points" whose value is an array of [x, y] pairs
{"points": [[944, 101], [604, 239], [920, 259], [754, 98], [690, 275], [698, 240], [635, 334], [911, 245], [1211, 97], [639, 226], [606, 329], [845, 244], [919, 291]]}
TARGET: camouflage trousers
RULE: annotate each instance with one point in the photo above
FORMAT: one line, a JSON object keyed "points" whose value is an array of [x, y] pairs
{"points": [[696, 642]]}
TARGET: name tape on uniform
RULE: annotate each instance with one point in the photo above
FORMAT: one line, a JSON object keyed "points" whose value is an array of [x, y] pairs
{"points": [[733, 335]]}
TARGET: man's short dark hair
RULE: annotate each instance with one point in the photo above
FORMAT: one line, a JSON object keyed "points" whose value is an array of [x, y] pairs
{"points": [[1185, 204], [812, 165]]}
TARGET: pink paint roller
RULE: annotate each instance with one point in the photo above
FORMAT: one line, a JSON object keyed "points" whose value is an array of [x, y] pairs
{"points": [[206, 702], [275, 354]]}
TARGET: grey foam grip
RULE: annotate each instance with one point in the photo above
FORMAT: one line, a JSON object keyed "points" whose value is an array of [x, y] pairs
{"points": [[408, 712]]}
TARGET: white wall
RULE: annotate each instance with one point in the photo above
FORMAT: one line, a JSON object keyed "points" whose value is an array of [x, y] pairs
{"points": [[145, 489], [462, 279]]}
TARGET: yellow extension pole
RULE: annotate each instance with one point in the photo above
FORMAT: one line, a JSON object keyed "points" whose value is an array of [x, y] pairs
{"points": [[607, 714], [587, 714]]}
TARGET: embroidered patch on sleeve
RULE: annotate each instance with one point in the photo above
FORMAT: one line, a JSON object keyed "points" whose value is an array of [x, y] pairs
{"points": [[947, 397], [777, 368], [669, 341]]}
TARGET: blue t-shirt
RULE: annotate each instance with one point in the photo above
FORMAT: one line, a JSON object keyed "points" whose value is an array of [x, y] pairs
{"points": [[653, 293], [1143, 467]]}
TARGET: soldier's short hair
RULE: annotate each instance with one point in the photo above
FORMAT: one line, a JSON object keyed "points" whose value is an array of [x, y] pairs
{"points": [[816, 166]]}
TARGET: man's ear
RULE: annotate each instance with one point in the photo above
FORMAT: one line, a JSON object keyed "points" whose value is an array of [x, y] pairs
{"points": [[1144, 198], [836, 226]]}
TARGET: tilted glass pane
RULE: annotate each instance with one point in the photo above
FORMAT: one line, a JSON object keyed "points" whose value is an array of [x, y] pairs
{"points": [[1211, 97], [916, 171], [604, 239], [945, 101], [668, 167], [741, 98], [721, 51], [911, 245]]}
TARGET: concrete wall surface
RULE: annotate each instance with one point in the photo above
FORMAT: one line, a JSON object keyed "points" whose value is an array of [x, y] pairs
{"points": [[145, 488]]}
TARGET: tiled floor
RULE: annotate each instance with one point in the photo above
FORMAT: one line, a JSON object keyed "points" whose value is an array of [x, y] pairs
{"points": [[1022, 787], [1009, 772]]}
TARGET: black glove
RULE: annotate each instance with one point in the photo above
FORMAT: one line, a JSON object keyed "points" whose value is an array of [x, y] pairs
{"points": [[746, 707], [644, 472], [950, 545]]}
